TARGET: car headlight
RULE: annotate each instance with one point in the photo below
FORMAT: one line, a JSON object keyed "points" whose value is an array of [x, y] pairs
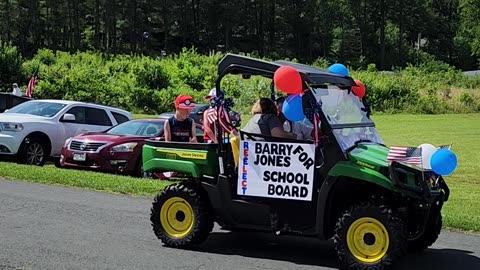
{"points": [[67, 141], [124, 147], [11, 127]]}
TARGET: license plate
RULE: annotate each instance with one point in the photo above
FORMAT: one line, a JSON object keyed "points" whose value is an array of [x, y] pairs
{"points": [[79, 156]]}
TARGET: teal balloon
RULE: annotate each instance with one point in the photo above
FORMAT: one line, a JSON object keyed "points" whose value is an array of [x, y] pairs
{"points": [[443, 162], [293, 109], [339, 69]]}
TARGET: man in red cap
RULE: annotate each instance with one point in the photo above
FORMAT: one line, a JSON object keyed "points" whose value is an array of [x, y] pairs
{"points": [[180, 127], [209, 117]]}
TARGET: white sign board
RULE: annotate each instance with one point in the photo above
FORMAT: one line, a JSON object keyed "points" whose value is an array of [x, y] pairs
{"points": [[276, 170]]}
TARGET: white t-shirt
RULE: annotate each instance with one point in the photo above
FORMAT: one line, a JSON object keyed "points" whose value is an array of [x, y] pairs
{"points": [[16, 91], [302, 131]]}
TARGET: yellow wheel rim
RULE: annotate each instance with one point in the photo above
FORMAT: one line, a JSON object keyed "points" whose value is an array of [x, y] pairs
{"points": [[367, 240], [176, 216]]}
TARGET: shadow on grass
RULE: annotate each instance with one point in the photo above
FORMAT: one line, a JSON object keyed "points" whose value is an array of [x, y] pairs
{"points": [[308, 251]]}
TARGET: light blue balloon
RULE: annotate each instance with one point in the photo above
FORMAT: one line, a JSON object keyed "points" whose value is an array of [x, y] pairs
{"points": [[339, 69], [293, 108], [443, 162]]}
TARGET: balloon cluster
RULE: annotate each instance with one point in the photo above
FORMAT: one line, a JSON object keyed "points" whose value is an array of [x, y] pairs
{"points": [[340, 69], [440, 160], [288, 80]]}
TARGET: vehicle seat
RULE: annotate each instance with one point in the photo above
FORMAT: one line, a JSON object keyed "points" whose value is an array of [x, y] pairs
{"points": [[151, 131]]}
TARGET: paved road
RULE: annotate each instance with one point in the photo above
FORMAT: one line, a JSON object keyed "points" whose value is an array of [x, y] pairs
{"points": [[50, 227]]}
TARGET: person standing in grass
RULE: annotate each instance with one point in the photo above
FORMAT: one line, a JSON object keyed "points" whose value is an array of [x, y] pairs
{"points": [[180, 127]]}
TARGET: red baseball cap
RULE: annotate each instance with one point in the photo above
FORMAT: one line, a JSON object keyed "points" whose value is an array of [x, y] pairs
{"points": [[184, 102]]}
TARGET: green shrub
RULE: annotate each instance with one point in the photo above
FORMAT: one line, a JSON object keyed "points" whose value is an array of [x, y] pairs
{"points": [[144, 84], [10, 66]]}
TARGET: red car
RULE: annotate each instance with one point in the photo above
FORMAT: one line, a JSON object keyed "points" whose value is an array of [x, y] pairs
{"points": [[116, 150]]}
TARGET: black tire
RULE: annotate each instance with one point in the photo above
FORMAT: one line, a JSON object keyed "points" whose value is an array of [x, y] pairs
{"points": [[181, 215], [361, 236], [432, 231], [138, 171], [34, 152]]}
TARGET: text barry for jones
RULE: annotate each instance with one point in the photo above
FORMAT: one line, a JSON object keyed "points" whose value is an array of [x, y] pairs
{"points": [[276, 170]]}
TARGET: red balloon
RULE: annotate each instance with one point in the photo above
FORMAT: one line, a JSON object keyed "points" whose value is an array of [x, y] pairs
{"points": [[288, 80], [359, 90]]}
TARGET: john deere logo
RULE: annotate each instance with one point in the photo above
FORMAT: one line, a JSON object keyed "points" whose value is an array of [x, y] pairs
{"points": [[83, 146]]}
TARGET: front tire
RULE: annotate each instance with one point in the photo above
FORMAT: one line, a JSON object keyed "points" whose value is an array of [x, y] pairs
{"points": [[368, 236], [181, 215], [34, 152], [432, 231]]}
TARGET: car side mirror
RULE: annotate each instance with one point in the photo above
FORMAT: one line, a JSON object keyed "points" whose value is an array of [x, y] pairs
{"points": [[68, 117]]}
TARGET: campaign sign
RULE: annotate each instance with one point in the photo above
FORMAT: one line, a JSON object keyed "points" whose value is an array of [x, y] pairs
{"points": [[276, 170]]}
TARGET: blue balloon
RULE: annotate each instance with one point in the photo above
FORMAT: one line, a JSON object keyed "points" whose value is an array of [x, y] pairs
{"points": [[293, 108], [443, 162], [339, 69]]}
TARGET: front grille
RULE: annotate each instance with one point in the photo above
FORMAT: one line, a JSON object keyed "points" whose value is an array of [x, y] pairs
{"points": [[85, 146]]}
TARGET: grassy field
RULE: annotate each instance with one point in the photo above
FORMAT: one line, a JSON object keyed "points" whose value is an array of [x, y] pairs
{"points": [[462, 211]]}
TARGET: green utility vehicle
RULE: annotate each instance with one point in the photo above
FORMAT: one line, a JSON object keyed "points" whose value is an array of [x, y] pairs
{"points": [[337, 186]]}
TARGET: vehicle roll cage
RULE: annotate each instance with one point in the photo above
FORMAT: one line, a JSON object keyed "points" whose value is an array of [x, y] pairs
{"points": [[247, 66]]}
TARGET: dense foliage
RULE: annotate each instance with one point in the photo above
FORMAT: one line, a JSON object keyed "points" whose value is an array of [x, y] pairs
{"points": [[389, 33], [150, 84]]}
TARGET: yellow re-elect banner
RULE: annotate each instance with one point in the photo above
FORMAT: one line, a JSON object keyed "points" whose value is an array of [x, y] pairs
{"points": [[185, 154]]}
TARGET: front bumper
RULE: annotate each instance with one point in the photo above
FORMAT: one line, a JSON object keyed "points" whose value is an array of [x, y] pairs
{"points": [[105, 161], [423, 184], [10, 142]]}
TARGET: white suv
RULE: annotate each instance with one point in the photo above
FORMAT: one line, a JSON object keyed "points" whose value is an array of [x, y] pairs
{"points": [[35, 130]]}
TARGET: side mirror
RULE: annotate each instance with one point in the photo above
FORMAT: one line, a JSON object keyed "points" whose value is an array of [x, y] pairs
{"points": [[68, 117]]}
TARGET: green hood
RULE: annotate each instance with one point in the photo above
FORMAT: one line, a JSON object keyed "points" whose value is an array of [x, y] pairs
{"points": [[373, 156]]}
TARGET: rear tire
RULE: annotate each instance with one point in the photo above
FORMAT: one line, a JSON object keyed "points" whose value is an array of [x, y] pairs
{"points": [[34, 152], [181, 215], [368, 236]]}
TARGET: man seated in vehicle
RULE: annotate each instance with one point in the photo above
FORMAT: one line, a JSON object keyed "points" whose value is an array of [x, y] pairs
{"points": [[299, 129], [180, 127], [265, 120], [209, 117]]}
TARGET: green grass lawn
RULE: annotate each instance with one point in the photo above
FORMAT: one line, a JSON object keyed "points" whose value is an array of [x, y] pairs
{"points": [[462, 211], [49, 174]]}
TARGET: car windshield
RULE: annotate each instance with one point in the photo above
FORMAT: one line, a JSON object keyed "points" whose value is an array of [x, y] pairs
{"points": [[39, 108], [347, 116], [138, 128]]}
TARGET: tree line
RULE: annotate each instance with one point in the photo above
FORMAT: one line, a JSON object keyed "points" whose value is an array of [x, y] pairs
{"points": [[388, 33]]}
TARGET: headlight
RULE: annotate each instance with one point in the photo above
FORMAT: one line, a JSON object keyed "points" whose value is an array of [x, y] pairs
{"points": [[11, 126], [125, 147], [67, 141]]}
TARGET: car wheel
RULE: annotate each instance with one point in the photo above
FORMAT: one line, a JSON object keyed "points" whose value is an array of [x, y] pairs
{"points": [[368, 236], [34, 152], [181, 215]]}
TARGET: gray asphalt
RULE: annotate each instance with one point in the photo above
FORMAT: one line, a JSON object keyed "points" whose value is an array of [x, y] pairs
{"points": [[51, 227]]}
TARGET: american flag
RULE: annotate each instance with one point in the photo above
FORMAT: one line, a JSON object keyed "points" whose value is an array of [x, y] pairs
{"points": [[211, 115], [225, 120], [32, 83], [411, 155]]}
